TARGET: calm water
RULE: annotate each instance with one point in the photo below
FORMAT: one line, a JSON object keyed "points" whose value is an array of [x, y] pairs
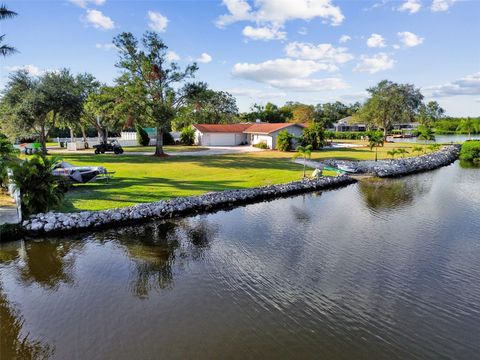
{"points": [[379, 270], [442, 139]]}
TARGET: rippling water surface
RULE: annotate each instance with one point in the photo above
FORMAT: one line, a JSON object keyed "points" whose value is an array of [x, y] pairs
{"points": [[384, 269]]}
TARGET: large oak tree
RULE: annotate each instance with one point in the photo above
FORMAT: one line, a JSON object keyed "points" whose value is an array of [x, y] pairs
{"points": [[157, 87]]}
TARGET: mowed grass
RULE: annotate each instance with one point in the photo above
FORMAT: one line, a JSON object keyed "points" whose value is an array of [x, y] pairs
{"points": [[167, 149], [140, 178]]}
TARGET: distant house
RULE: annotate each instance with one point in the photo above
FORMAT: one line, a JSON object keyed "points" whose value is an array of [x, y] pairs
{"points": [[242, 134], [345, 125]]}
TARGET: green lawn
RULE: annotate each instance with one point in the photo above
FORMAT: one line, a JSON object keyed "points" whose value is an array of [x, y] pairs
{"points": [[167, 149], [141, 179]]}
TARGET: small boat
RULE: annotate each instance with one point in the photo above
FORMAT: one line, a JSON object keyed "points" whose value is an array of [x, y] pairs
{"points": [[79, 174]]}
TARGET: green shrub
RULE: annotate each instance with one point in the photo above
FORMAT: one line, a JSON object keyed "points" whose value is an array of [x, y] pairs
{"points": [[10, 232], [345, 135], [187, 135], [470, 151], [7, 158], [284, 141], [261, 145], [314, 135], [40, 190], [142, 136], [168, 138]]}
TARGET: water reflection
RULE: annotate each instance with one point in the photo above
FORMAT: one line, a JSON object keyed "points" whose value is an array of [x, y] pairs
{"points": [[47, 263], [14, 343], [384, 194], [154, 248]]}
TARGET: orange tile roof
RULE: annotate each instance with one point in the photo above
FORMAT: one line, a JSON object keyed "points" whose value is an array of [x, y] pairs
{"points": [[222, 128], [267, 128]]}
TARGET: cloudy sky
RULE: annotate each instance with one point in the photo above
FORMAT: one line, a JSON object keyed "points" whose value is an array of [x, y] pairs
{"points": [[311, 51]]}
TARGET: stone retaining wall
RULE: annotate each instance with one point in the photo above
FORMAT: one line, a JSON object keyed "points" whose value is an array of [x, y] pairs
{"points": [[398, 167], [61, 222]]}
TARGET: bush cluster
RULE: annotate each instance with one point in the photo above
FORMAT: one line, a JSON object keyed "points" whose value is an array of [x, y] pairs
{"points": [[142, 136], [345, 135], [471, 151], [187, 135], [261, 145], [284, 141]]}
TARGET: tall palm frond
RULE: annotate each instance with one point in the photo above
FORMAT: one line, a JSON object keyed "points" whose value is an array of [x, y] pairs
{"points": [[5, 13]]}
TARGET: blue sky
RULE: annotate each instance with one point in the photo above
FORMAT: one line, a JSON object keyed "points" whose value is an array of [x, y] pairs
{"points": [[311, 51]]}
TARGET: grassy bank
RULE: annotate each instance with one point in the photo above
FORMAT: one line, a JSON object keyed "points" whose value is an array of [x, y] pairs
{"points": [[146, 178]]}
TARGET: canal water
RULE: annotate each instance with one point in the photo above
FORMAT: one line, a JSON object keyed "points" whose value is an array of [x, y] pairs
{"points": [[441, 139], [382, 269]]}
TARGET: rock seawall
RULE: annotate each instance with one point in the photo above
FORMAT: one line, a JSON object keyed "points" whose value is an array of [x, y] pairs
{"points": [[52, 222], [398, 167]]}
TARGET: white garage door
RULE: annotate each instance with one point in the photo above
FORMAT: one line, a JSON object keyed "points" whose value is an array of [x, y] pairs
{"points": [[221, 139]]}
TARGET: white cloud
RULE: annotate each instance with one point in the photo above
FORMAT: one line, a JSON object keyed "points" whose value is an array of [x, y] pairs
{"points": [[409, 39], [321, 52], [204, 58], [310, 85], [441, 5], [157, 22], [98, 20], [344, 38], [375, 63], [31, 69], [376, 41], [289, 74], [172, 56], [412, 6], [275, 13], [303, 31], [83, 3], [106, 47], [468, 85], [264, 33], [256, 93], [279, 69]]}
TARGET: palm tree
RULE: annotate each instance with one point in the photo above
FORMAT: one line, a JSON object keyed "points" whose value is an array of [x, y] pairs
{"points": [[468, 126], [6, 14], [426, 133], [392, 153], [375, 139], [402, 152], [305, 152]]}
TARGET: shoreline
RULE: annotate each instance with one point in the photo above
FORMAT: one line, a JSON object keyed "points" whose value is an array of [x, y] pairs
{"points": [[53, 223]]}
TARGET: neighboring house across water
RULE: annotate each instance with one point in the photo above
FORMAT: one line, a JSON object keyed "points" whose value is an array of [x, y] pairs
{"points": [[344, 124], [243, 134]]}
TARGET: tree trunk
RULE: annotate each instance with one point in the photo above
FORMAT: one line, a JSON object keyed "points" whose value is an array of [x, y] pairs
{"points": [[159, 145], [102, 135], [42, 139], [72, 135], [376, 153], [84, 135]]}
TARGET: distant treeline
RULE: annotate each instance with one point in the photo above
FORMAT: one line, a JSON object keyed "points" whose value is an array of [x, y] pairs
{"points": [[451, 125]]}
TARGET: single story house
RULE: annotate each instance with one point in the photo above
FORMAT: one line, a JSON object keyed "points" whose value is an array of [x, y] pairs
{"points": [[268, 132], [220, 134], [243, 134]]}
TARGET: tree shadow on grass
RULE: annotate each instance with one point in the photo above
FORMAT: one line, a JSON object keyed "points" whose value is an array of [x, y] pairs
{"points": [[122, 188]]}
